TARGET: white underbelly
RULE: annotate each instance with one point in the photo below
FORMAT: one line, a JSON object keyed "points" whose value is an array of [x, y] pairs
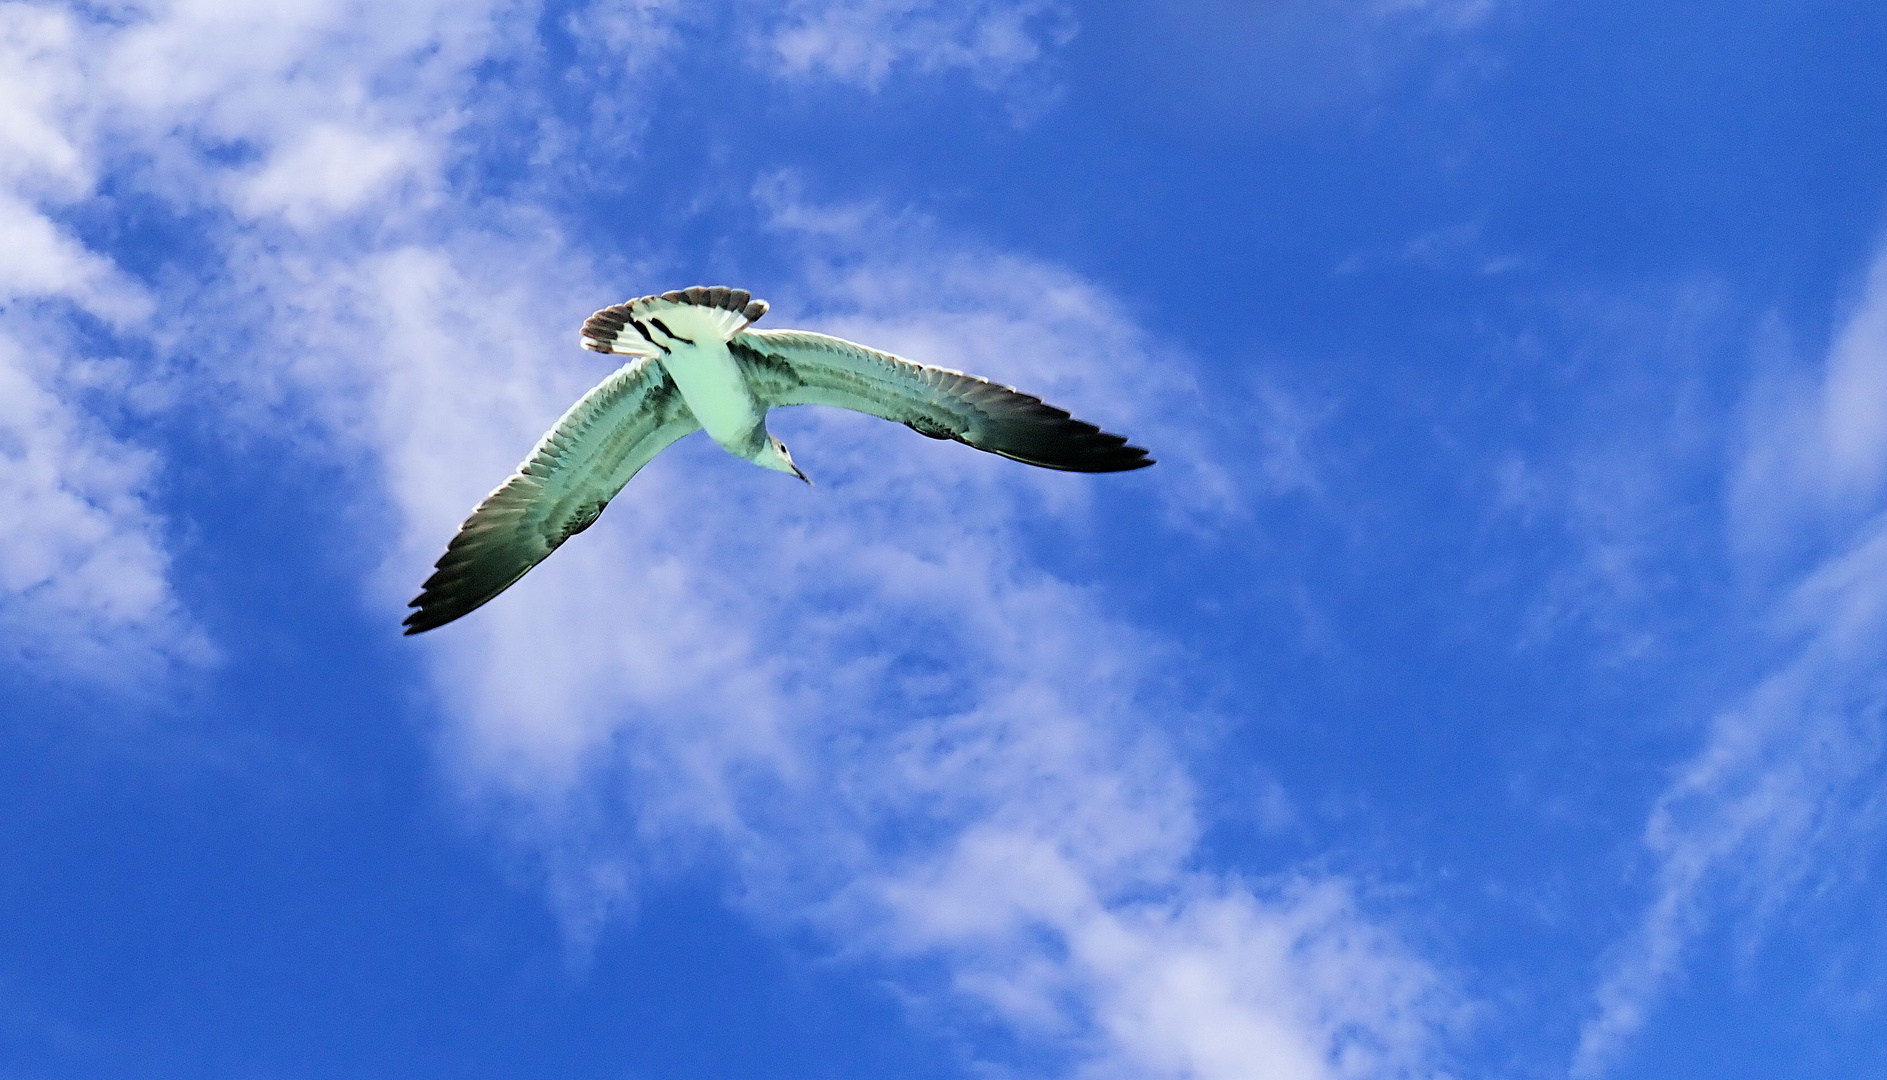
{"points": [[712, 385]]}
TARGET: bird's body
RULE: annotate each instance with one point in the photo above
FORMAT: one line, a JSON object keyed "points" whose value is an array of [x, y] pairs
{"points": [[709, 379], [696, 366]]}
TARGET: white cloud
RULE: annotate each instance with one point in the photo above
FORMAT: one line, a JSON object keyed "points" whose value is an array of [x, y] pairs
{"points": [[42, 81], [1816, 447], [1854, 397], [330, 170], [1210, 981], [863, 42], [1781, 789], [632, 32], [44, 261], [1776, 790], [83, 589], [266, 109]]}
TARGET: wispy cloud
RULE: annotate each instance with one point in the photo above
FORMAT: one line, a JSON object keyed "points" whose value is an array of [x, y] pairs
{"points": [[1816, 443], [1444, 14], [1782, 783], [1460, 248], [864, 42], [1782, 786], [264, 115], [1854, 397], [83, 567]]}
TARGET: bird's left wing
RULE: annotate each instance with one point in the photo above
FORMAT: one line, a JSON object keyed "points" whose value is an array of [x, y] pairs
{"points": [[557, 492], [798, 367]]}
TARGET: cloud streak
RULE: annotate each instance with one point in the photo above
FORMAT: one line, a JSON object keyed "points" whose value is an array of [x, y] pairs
{"points": [[1783, 779]]}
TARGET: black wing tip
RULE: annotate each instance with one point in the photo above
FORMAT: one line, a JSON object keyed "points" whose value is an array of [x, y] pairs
{"points": [[459, 588], [1024, 428], [463, 580], [420, 621], [1123, 459], [1089, 451], [1027, 429], [1126, 460], [437, 607], [432, 609]]}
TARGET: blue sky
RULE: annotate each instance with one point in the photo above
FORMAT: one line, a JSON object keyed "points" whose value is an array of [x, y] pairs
{"points": [[1486, 683]]}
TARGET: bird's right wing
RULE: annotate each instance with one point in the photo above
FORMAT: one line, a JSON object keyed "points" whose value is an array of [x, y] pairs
{"points": [[797, 367], [558, 491]]}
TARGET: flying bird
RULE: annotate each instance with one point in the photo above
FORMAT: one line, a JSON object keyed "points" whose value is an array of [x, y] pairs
{"points": [[696, 366]]}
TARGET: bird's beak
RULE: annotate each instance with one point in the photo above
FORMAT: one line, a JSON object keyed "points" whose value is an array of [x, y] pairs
{"points": [[801, 475]]}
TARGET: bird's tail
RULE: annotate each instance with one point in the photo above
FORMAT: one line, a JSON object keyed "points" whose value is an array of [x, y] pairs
{"points": [[648, 325]]}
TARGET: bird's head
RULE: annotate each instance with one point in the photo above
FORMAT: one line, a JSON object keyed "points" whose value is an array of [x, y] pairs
{"points": [[774, 456]]}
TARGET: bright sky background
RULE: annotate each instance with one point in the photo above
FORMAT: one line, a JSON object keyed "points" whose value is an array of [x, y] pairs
{"points": [[1487, 683]]}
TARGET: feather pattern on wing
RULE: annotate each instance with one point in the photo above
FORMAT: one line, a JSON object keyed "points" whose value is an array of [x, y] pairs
{"points": [[797, 367], [558, 491]]}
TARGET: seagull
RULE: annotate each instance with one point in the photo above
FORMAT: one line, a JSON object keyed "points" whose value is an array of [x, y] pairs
{"points": [[694, 366]]}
